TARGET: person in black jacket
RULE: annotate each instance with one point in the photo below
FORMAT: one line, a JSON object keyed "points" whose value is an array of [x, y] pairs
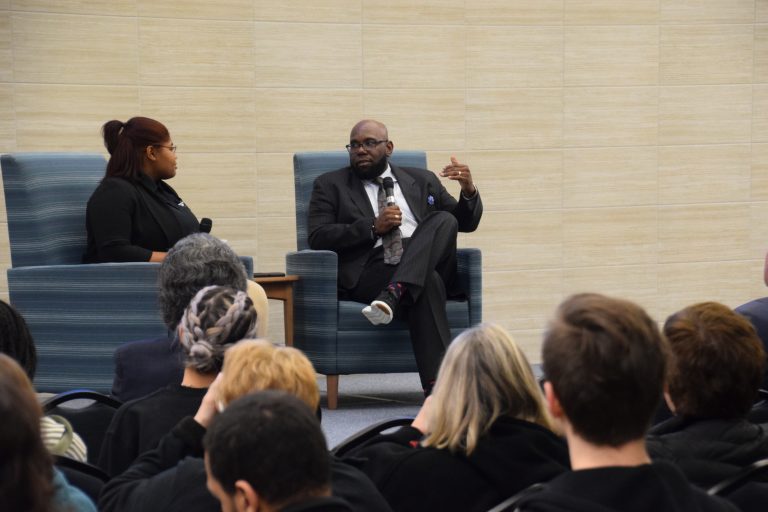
{"points": [[216, 318], [604, 361], [133, 215], [266, 452], [172, 477], [713, 379], [488, 434]]}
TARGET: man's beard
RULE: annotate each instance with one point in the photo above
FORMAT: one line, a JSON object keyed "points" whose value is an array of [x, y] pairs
{"points": [[375, 169]]}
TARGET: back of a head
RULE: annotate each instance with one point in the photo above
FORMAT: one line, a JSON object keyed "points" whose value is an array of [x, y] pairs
{"points": [[216, 318], [126, 143], [16, 340], [605, 359], [194, 262], [484, 375], [255, 365], [273, 441], [717, 362], [25, 465]]}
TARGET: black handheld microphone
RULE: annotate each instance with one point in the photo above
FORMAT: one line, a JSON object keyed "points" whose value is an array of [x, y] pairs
{"points": [[205, 225], [389, 190]]}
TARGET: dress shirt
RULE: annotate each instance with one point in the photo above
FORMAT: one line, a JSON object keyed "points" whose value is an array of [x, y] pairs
{"points": [[408, 222]]}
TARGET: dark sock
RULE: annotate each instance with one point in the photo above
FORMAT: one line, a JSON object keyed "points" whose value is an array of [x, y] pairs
{"points": [[396, 289]]}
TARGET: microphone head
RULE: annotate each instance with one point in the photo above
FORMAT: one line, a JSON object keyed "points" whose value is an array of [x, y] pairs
{"points": [[388, 183], [205, 225]]}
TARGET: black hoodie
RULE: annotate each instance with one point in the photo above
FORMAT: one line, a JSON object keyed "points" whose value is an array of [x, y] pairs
{"points": [[658, 487], [513, 455]]}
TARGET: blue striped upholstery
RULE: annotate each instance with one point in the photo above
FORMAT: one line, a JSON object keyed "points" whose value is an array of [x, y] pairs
{"points": [[334, 334], [45, 197], [78, 314]]}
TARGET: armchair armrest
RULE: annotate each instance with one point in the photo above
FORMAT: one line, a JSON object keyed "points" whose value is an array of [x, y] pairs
{"points": [[79, 314], [470, 275], [315, 305]]}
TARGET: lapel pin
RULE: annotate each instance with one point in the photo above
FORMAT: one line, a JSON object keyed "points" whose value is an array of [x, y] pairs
{"points": [[431, 200]]}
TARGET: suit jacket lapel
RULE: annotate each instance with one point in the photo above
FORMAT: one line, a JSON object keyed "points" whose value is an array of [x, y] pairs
{"points": [[410, 189], [358, 194]]}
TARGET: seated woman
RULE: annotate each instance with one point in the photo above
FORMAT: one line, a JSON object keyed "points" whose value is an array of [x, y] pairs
{"points": [[216, 318], [28, 480], [16, 341], [713, 379], [133, 215], [483, 435]]}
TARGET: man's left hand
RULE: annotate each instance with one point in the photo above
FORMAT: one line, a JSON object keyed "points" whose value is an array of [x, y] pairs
{"points": [[461, 173]]}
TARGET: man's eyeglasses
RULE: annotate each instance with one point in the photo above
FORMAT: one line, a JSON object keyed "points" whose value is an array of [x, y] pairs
{"points": [[367, 144], [171, 147]]}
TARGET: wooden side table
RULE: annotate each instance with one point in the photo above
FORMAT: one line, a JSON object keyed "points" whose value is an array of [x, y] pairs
{"points": [[281, 288]]}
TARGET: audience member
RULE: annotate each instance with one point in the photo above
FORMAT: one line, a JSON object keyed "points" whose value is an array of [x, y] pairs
{"points": [[714, 374], [16, 341], [487, 433], [195, 262], [756, 311], [28, 480], [134, 215], [163, 479], [266, 452], [604, 360], [216, 318]]}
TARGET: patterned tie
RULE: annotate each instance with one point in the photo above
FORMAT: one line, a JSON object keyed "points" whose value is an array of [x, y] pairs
{"points": [[392, 241]]}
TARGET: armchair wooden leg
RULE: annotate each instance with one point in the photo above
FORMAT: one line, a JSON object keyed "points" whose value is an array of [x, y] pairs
{"points": [[332, 395]]}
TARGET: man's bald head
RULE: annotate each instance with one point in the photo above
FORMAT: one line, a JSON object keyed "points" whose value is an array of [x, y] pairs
{"points": [[370, 124], [369, 149]]}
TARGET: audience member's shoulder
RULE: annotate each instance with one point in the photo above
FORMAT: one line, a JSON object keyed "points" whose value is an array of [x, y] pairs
{"points": [[69, 498], [143, 346]]}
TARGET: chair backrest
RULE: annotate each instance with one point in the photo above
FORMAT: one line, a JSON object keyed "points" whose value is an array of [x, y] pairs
{"points": [[88, 478], [90, 416], [754, 472], [45, 197], [309, 165]]}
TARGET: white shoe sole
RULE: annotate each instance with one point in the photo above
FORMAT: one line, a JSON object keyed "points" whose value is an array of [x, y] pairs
{"points": [[378, 313]]}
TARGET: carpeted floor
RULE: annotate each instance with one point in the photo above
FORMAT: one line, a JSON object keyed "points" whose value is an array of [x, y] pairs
{"points": [[367, 399]]}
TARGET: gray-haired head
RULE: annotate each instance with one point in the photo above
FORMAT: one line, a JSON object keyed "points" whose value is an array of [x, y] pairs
{"points": [[196, 261], [216, 318]]}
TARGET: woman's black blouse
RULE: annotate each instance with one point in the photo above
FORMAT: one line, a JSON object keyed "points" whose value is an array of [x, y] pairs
{"points": [[128, 220]]}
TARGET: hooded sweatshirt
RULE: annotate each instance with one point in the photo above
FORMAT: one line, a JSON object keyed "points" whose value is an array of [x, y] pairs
{"points": [[511, 456]]}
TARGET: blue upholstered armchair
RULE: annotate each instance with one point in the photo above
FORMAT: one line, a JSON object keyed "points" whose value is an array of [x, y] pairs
{"points": [[78, 314], [336, 337]]}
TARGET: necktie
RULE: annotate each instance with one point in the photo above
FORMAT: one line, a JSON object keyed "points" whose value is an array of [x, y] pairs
{"points": [[392, 241]]}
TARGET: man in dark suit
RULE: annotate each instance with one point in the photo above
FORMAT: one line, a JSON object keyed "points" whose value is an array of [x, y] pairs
{"points": [[348, 215]]}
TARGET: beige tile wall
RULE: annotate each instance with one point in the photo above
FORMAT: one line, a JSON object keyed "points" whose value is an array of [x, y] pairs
{"points": [[620, 146]]}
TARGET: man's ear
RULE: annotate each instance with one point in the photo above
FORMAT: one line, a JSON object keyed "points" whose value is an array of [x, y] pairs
{"points": [[553, 403], [668, 400], [390, 148], [246, 499]]}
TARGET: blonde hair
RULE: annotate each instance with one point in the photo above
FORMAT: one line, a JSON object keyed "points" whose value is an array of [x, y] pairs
{"points": [[256, 365], [484, 375]]}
